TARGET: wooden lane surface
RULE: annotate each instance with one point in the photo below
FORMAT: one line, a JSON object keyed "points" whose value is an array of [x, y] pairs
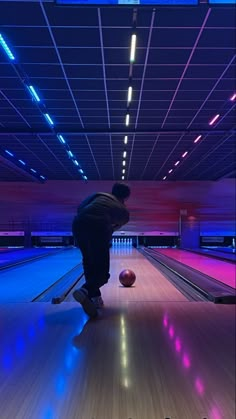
{"points": [[150, 285], [149, 360]]}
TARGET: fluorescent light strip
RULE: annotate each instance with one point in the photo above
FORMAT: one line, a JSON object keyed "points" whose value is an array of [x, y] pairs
{"points": [[126, 139], [75, 162], [22, 162], [42, 177], [70, 154], [61, 139], [185, 154], [130, 94], [233, 97], [85, 178], [32, 170], [123, 178], [81, 171], [33, 93], [8, 152], [124, 162], [214, 119], [49, 119], [127, 120], [164, 178], [6, 48], [132, 49], [123, 171], [170, 171], [176, 164], [197, 139], [124, 154]]}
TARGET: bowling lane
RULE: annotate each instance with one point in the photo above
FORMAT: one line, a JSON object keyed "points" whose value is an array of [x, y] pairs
{"points": [[150, 285], [149, 360], [23, 283], [222, 271], [10, 257]]}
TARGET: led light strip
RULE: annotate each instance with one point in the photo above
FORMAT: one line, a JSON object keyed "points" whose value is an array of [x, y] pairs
{"points": [[197, 139], [46, 115]]}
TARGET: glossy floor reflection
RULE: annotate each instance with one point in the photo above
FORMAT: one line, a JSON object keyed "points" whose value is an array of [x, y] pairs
{"points": [[137, 360]]}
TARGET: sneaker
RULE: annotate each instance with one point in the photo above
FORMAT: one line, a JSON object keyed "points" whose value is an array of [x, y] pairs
{"points": [[98, 302], [89, 307]]}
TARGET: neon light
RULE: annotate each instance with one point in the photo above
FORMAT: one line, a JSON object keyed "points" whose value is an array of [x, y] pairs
{"points": [[129, 94], [233, 97], [124, 154], [22, 162], [76, 163], [42, 177], [176, 164], [85, 178], [49, 119], [126, 140], [133, 46], [185, 154], [10, 154], [197, 139], [81, 171], [164, 178], [33, 93], [124, 163], [214, 119], [61, 139], [122, 177], [32, 170], [170, 171], [127, 120], [6, 48], [70, 153]]}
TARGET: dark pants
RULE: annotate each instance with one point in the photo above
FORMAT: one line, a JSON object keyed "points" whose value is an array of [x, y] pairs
{"points": [[93, 239]]}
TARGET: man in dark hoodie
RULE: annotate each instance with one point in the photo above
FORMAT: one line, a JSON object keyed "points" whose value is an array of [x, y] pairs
{"points": [[98, 216]]}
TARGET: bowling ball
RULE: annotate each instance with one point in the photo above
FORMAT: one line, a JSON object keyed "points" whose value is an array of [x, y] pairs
{"points": [[127, 278]]}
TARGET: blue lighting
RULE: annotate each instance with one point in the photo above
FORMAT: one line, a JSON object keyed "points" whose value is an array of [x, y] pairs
{"points": [[32, 170], [33, 93], [222, 1], [6, 48], [85, 178], [131, 2], [10, 154], [49, 119], [76, 163], [42, 177], [22, 162], [61, 139], [70, 153], [81, 171]]}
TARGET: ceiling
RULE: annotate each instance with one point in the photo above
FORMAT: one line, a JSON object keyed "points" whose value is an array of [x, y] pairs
{"points": [[78, 60]]}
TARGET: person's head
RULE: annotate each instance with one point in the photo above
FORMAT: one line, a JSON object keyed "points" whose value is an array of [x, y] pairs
{"points": [[121, 191]]}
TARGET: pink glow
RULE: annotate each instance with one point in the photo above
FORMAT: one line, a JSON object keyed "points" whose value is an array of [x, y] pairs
{"points": [[186, 361], [215, 414], [165, 321], [233, 97], [214, 119], [171, 170], [177, 345], [199, 386], [176, 164], [218, 269], [164, 178], [197, 139], [171, 332], [185, 154]]}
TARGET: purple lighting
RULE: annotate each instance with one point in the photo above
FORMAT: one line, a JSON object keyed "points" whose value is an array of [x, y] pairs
{"points": [[165, 321], [199, 386], [177, 345], [171, 331], [215, 414], [214, 119], [197, 139], [233, 97], [176, 164], [185, 154], [186, 361], [170, 171]]}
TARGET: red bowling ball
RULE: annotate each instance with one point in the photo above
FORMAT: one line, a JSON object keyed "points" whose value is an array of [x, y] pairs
{"points": [[127, 278]]}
